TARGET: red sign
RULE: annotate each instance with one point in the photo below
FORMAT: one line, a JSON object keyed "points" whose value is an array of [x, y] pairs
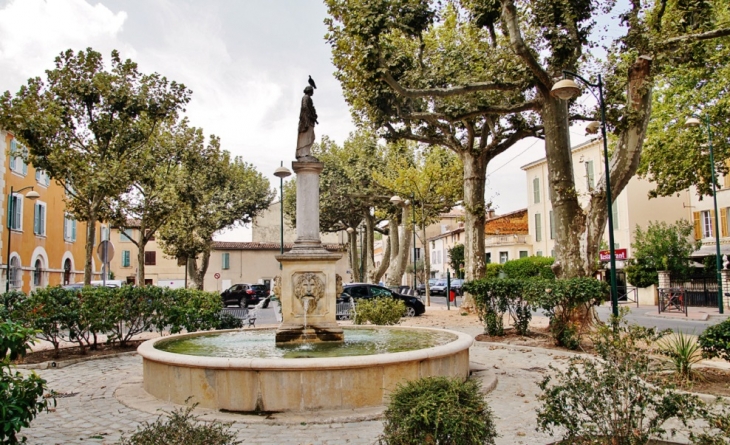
{"points": [[620, 255], [216, 276]]}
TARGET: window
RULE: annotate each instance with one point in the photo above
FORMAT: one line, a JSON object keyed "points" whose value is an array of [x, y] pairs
{"points": [[552, 225], [590, 179], [536, 190], [42, 177], [706, 224], [379, 292], [104, 233], [614, 214], [38, 273], [17, 153], [538, 253], [488, 257], [417, 252], [523, 254], [16, 275], [538, 227], [150, 258], [552, 253], [503, 257], [69, 229], [126, 236], [16, 215], [226, 260], [39, 221], [126, 258]]}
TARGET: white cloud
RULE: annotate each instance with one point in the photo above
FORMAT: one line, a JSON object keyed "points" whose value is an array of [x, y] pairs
{"points": [[34, 32]]}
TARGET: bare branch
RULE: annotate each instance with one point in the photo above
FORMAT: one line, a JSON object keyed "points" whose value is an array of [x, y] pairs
{"points": [[518, 108], [446, 92], [689, 38], [509, 15]]}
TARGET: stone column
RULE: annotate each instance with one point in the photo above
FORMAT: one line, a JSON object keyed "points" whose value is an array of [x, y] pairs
{"points": [[307, 204], [725, 275], [664, 279]]}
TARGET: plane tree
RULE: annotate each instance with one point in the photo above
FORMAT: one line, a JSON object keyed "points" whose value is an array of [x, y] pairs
{"points": [[476, 76], [215, 192], [86, 124]]}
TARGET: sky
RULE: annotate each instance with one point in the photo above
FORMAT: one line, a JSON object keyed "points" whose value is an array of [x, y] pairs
{"points": [[246, 63]]}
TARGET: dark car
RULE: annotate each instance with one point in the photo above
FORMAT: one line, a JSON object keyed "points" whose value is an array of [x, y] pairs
{"points": [[244, 294], [414, 306], [421, 288]]}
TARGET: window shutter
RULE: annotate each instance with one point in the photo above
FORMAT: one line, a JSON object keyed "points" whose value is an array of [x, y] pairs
{"points": [[538, 227], [10, 216], [73, 230], [614, 213], [536, 190], [18, 208], [712, 222], [698, 227], [723, 222], [65, 229], [37, 219], [552, 225]]}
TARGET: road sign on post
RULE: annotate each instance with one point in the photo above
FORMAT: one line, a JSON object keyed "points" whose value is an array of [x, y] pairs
{"points": [[105, 250]]}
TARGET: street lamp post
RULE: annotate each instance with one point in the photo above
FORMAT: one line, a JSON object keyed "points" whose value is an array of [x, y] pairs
{"points": [[32, 195], [281, 173], [567, 89], [694, 121]]}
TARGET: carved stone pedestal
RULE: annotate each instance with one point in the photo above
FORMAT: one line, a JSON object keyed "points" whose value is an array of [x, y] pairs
{"points": [[308, 275]]}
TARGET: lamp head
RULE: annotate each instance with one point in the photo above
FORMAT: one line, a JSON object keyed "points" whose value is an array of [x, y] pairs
{"points": [[32, 195], [350, 230], [565, 89], [396, 200], [692, 122], [282, 172], [592, 127]]}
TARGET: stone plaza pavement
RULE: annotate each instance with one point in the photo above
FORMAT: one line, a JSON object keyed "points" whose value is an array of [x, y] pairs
{"points": [[92, 395]]}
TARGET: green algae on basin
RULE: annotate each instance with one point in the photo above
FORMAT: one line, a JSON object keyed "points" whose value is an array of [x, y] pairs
{"points": [[260, 344]]}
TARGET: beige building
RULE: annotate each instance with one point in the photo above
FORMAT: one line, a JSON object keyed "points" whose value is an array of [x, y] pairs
{"points": [[631, 208], [230, 262], [506, 237], [702, 214]]}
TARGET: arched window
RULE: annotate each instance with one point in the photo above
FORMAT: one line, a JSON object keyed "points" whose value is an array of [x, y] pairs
{"points": [[38, 273], [16, 278], [67, 271]]}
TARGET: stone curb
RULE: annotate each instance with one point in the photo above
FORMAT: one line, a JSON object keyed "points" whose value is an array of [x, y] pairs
{"points": [[63, 363], [694, 317]]}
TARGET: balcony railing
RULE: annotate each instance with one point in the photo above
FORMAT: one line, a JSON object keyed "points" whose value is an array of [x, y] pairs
{"points": [[500, 240]]}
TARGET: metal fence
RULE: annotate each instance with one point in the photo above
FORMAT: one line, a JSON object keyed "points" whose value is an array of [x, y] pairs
{"points": [[698, 291]]}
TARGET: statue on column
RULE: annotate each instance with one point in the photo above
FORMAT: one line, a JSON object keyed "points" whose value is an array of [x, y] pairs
{"points": [[307, 121]]}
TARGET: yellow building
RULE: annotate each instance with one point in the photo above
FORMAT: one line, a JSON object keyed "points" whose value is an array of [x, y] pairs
{"points": [[47, 247]]}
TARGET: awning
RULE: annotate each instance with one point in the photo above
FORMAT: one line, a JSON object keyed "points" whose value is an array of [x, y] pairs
{"points": [[709, 251]]}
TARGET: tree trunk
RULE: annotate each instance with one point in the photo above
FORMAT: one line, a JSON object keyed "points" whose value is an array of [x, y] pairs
{"points": [[141, 244], [378, 273], [197, 275], [426, 265], [395, 277], [90, 242], [475, 172], [370, 248]]}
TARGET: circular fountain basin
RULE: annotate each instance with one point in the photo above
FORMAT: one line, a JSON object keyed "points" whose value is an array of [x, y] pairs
{"points": [[248, 379]]}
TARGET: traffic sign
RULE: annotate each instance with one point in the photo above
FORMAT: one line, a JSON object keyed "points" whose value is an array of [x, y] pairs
{"points": [[109, 247], [217, 275]]}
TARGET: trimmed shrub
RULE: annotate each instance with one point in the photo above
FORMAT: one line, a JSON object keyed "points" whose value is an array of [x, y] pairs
{"points": [[228, 321], [182, 427], [493, 270], [21, 397], [132, 311], [530, 267], [379, 311], [10, 303], [492, 301], [715, 341], [438, 410], [606, 401]]}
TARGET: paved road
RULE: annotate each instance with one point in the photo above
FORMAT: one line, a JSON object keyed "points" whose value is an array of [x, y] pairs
{"points": [[639, 316]]}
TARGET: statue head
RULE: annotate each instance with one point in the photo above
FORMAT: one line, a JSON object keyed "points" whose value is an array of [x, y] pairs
{"points": [[309, 90]]}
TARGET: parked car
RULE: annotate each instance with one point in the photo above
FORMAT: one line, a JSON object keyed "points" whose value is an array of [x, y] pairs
{"points": [[421, 288], [96, 283], [356, 291], [242, 294], [439, 288], [457, 285]]}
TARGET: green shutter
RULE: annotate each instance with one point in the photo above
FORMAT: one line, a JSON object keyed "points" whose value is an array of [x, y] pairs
{"points": [[614, 213], [65, 228], [37, 219], [73, 230], [538, 227], [226, 260]]}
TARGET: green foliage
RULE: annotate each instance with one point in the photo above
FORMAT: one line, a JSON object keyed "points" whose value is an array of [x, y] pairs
{"points": [[493, 270], [530, 267], [86, 125], [21, 397], [131, 310], [717, 431], [607, 401], [456, 258], [228, 321], [715, 341], [684, 351], [438, 410], [182, 427], [52, 312], [10, 303], [189, 309], [492, 299], [661, 247], [379, 311]]}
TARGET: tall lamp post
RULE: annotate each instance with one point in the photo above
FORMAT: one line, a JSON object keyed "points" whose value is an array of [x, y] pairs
{"points": [[32, 195], [693, 122], [281, 173], [567, 89]]}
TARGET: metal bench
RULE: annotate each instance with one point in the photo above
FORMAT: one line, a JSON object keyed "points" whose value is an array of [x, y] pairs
{"points": [[244, 314]]}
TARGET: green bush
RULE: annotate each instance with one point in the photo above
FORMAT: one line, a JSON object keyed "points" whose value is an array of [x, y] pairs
{"points": [[379, 311], [10, 303], [182, 427], [228, 321], [607, 400], [438, 410], [49, 311], [188, 309], [493, 270], [492, 299], [132, 311], [530, 267], [21, 397], [715, 341]]}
